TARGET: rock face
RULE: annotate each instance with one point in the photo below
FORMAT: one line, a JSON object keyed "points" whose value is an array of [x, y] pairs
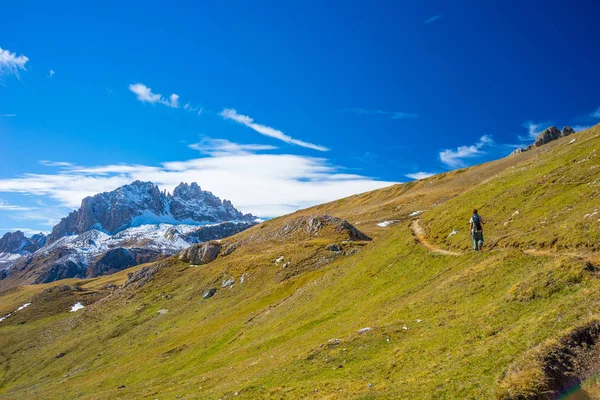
{"points": [[16, 242], [14, 246], [546, 136], [199, 254], [143, 203]]}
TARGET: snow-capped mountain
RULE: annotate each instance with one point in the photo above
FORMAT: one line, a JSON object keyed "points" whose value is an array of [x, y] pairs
{"points": [[133, 224], [143, 203], [15, 245]]}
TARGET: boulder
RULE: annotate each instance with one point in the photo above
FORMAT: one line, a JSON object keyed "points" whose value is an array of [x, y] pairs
{"points": [[546, 136], [201, 253], [334, 247], [566, 131], [209, 293]]}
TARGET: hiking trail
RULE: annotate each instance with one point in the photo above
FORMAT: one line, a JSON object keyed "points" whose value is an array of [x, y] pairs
{"points": [[419, 234]]}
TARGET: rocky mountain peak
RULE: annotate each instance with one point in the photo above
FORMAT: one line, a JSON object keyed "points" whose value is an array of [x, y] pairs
{"points": [[18, 243], [142, 203], [546, 136], [185, 191]]}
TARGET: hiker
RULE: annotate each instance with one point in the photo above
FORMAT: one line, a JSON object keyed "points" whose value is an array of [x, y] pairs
{"points": [[476, 224]]}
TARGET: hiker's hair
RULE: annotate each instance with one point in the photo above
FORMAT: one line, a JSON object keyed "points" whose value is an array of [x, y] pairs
{"points": [[474, 211]]}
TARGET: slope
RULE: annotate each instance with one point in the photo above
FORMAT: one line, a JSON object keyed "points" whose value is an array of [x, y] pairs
{"points": [[294, 322]]}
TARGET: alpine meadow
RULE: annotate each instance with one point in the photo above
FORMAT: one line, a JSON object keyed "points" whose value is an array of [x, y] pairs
{"points": [[339, 200]]}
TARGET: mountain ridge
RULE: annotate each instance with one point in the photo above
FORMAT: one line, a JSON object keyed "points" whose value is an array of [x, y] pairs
{"points": [[133, 224], [143, 202]]}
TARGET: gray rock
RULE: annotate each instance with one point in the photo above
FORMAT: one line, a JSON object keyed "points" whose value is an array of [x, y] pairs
{"points": [[566, 131], [334, 247], [209, 293], [199, 254], [228, 282], [229, 249], [143, 276]]}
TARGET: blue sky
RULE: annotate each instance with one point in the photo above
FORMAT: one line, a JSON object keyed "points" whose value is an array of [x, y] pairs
{"points": [[277, 105]]}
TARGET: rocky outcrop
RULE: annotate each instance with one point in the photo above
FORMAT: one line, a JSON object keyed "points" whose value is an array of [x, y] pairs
{"points": [[142, 203], [313, 224], [17, 243], [546, 136], [144, 275], [199, 254]]}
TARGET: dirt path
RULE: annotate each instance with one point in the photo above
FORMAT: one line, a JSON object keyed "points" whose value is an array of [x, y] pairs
{"points": [[594, 259], [419, 234]]}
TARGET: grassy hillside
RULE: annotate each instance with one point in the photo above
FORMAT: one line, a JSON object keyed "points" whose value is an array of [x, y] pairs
{"points": [[494, 324]]}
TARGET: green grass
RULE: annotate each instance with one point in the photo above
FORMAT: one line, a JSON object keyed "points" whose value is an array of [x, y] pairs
{"points": [[480, 314]]}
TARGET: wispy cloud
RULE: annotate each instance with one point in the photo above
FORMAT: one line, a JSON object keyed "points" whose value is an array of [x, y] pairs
{"points": [[266, 185], [11, 207], [596, 114], [7, 115], [145, 95], [10, 63], [196, 110], [51, 73], [230, 113], [220, 147], [432, 19], [420, 175], [382, 113], [26, 231], [456, 158], [49, 163], [534, 129]]}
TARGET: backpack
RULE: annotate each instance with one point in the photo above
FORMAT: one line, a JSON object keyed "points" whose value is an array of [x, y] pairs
{"points": [[477, 222]]}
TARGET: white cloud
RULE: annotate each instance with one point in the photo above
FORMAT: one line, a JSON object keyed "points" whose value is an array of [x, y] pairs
{"points": [[387, 114], [432, 19], [455, 158], [145, 95], [51, 73], [197, 110], [420, 175], [26, 231], [534, 129], [596, 114], [230, 113], [223, 146], [10, 63], [266, 185], [62, 164], [11, 207]]}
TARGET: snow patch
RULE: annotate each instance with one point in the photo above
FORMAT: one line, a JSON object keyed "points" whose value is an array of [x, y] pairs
{"points": [[76, 307], [6, 316], [454, 232], [386, 223], [415, 213], [572, 141], [23, 306]]}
